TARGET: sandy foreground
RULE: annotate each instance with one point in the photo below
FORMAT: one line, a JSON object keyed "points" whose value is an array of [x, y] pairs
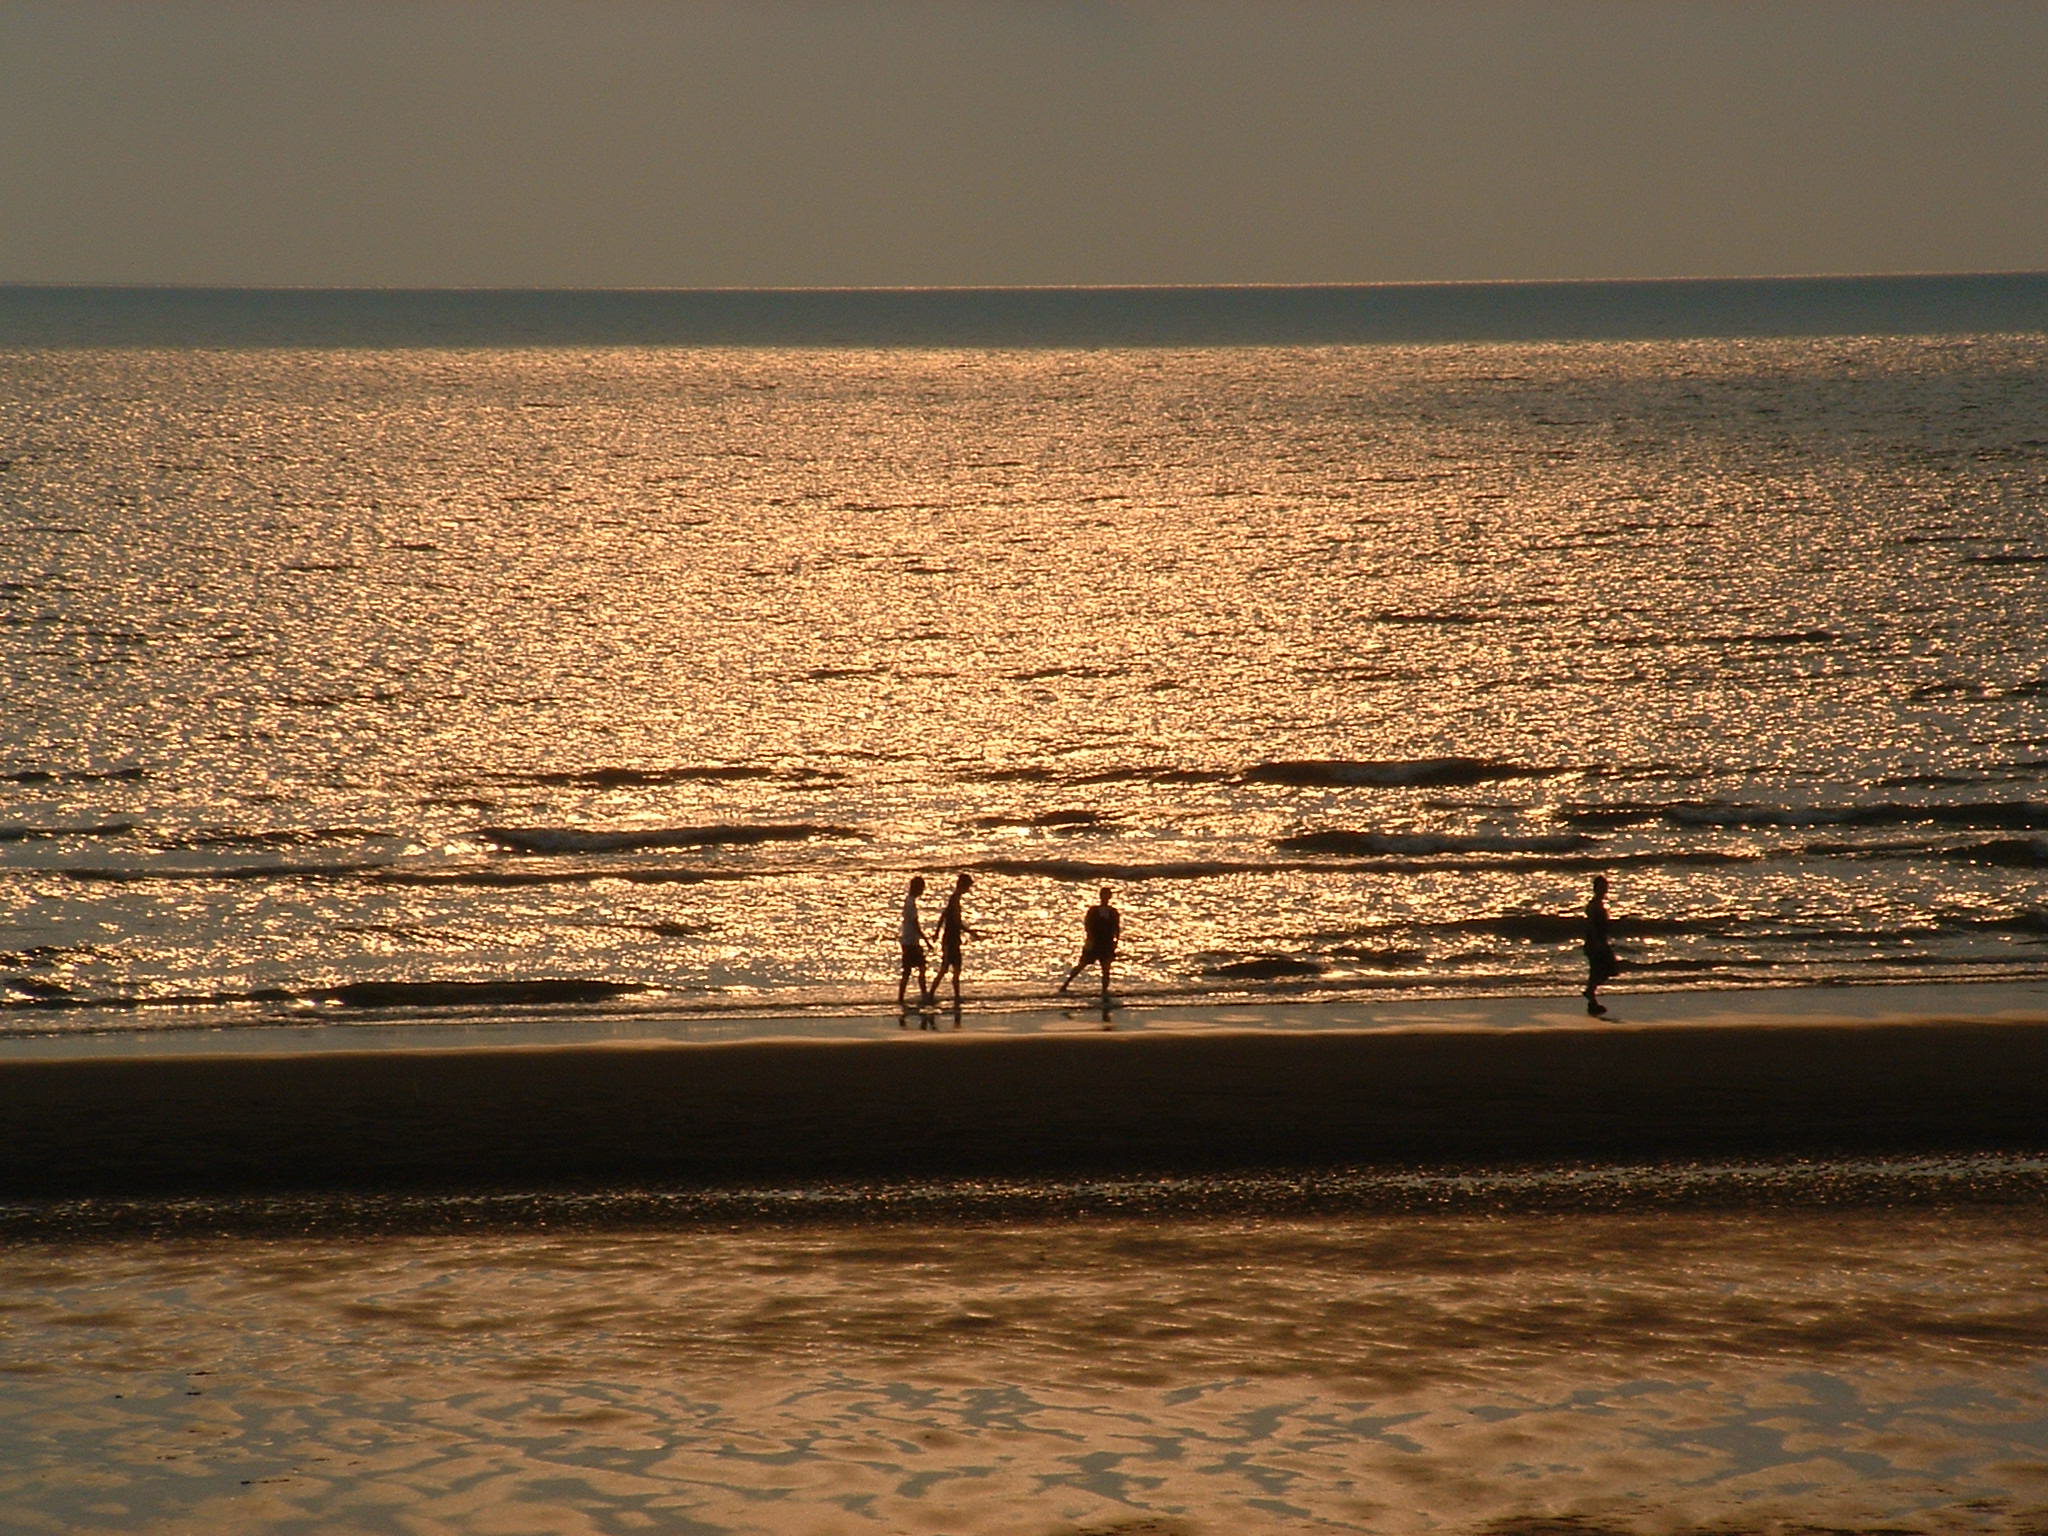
{"points": [[1466, 1372], [1852, 1341], [1828, 1071]]}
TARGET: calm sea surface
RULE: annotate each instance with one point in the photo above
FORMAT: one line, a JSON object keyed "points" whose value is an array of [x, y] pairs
{"points": [[661, 669]]}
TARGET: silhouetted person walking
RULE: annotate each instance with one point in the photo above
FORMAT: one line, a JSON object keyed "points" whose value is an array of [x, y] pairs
{"points": [[1600, 962], [911, 937], [1101, 927], [952, 929]]}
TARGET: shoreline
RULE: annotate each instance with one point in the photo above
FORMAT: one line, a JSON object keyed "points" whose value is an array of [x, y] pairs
{"points": [[211, 1032], [1784, 1073]]}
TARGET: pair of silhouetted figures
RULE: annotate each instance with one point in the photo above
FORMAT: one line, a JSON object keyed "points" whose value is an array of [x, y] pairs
{"points": [[1101, 928]]}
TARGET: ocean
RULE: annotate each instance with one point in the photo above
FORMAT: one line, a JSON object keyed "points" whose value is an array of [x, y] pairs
{"points": [[399, 662]]}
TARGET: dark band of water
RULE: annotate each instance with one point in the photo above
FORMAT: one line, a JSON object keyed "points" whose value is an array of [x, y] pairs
{"points": [[1023, 317], [1978, 1179]]}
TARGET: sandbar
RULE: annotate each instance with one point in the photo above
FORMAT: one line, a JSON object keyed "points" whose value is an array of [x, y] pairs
{"points": [[1820, 1071]]}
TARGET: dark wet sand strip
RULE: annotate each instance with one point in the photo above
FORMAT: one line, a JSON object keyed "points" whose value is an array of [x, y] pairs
{"points": [[540, 1117]]}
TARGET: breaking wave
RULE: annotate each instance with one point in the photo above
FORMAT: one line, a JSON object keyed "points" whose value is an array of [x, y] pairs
{"points": [[1424, 771], [2009, 852], [640, 778], [1425, 844], [500, 992], [501, 877], [282, 838], [17, 832], [543, 992], [1773, 637], [1053, 821], [1563, 927], [1989, 815], [1117, 774], [1152, 776], [168, 874], [1266, 967], [74, 776], [1091, 869], [569, 840]]}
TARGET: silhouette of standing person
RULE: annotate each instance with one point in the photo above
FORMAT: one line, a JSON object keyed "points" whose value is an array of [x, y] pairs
{"points": [[952, 928], [1600, 962], [1101, 927], [911, 937]]}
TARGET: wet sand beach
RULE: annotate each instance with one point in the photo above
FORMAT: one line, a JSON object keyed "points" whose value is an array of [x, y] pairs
{"points": [[1755, 1263], [1193, 1090], [1762, 1367]]}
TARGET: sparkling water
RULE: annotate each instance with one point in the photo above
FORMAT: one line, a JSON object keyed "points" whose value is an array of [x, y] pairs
{"points": [[642, 675]]}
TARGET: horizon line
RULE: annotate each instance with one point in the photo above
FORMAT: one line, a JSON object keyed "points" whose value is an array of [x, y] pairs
{"points": [[969, 288]]}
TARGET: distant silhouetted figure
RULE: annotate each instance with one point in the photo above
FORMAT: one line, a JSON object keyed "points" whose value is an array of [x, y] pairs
{"points": [[911, 937], [1600, 961], [952, 928], [1101, 928]]}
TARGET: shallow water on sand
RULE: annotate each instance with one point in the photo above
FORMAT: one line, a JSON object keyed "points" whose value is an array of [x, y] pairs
{"points": [[1853, 1365]]}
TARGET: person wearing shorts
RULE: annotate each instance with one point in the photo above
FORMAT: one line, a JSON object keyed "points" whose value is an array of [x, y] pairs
{"points": [[1101, 927], [952, 929], [1600, 962], [911, 937]]}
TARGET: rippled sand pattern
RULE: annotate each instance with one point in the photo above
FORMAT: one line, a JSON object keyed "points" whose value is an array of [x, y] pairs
{"points": [[1724, 1370]]}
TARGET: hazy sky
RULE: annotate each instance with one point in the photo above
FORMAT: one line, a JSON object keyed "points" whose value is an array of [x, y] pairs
{"points": [[625, 142]]}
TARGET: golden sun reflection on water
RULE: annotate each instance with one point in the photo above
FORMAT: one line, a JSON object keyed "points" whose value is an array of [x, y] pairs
{"points": [[1041, 614]]}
